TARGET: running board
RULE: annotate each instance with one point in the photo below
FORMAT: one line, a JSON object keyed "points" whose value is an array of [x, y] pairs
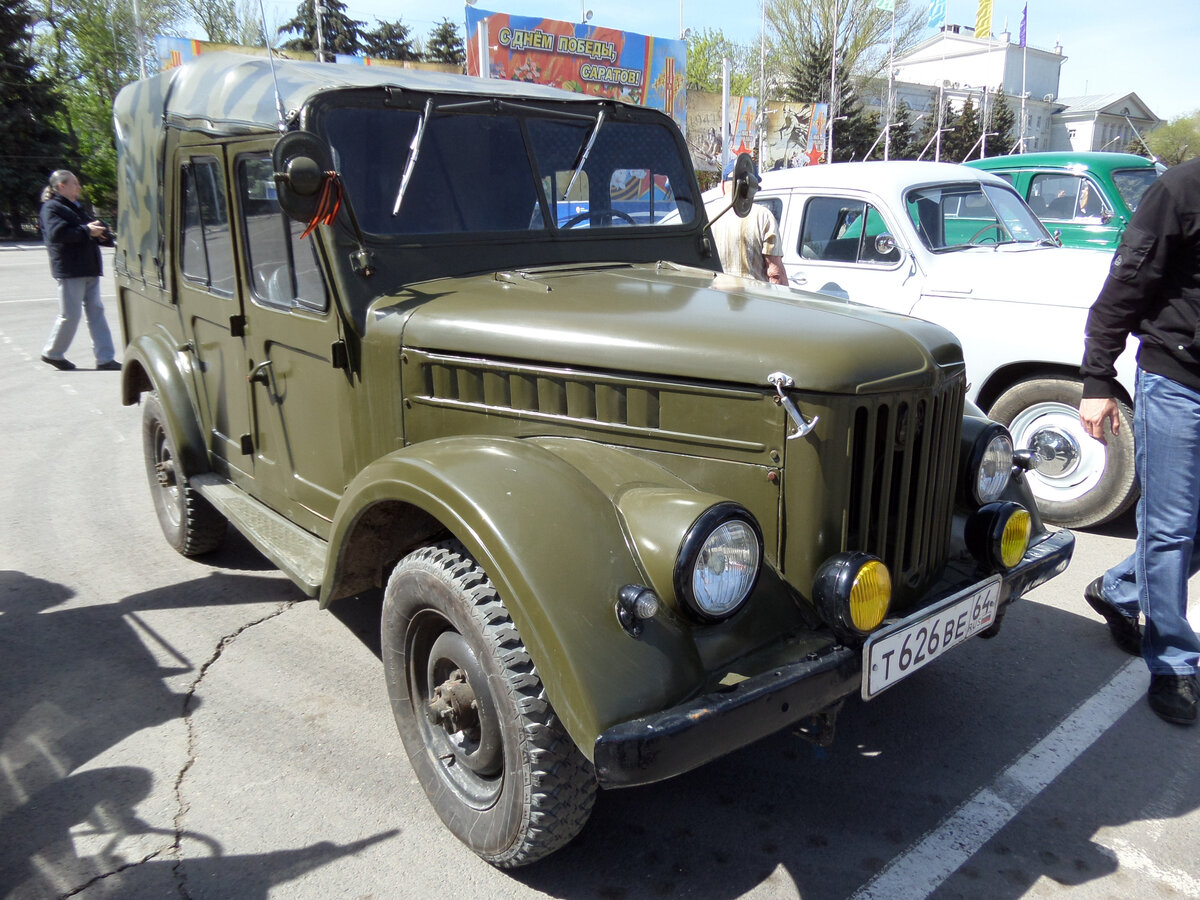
{"points": [[299, 555]]}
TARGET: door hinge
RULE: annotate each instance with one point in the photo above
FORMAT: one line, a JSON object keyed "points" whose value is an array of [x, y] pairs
{"points": [[339, 355], [247, 445], [237, 326]]}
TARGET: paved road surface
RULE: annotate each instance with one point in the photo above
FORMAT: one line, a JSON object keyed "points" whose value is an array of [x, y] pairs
{"points": [[175, 728]]}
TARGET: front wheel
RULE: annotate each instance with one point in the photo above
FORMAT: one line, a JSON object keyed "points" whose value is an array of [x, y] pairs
{"points": [[482, 737], [1079, 482]]}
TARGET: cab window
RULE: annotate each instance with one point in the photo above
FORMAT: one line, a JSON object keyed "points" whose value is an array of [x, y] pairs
{"points": [[835, 229], [206, 248], [282, 268]]}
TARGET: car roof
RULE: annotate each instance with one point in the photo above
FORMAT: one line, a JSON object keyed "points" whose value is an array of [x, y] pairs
{"points": [[1083, 159], [879, 176]]}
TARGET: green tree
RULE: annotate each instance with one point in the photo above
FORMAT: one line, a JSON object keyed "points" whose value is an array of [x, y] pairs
{"points": [[854, 129], [444, 45], [30, 144], [904, 142], [1175, 142], [228, 21], [962, 143], [706, 49], [861, 31], [390, 40], [1001, 124], [341, 33], [91, 49]]}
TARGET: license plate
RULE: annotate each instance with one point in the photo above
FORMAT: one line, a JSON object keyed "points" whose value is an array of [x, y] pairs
{"points": [[894, 654]]}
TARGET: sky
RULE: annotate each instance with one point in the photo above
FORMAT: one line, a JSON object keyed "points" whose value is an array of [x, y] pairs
{"points": [[1111, 46]]}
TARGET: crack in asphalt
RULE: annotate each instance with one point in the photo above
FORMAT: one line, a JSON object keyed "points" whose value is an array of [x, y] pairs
{"points": [[182, 806], [176, 846]]}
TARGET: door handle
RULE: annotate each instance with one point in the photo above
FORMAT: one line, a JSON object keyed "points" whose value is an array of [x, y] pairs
{"points": [[260, 373]]}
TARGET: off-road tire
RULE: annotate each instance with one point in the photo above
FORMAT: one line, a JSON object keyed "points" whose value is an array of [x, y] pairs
{"points": [[189, 522], [1031, 404], [537, 791]]}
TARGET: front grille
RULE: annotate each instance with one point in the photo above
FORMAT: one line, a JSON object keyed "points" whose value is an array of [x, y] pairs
{"points": [[904, 455]]}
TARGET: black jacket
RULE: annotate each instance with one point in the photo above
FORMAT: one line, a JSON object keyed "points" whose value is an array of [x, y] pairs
{"points": [[1152, 289], [74, 253]]}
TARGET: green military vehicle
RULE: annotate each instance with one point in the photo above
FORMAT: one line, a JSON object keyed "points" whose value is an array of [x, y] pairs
{"points": [[467, 341]]}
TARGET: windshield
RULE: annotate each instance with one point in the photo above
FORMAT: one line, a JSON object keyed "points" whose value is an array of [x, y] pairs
{"points": [[518, 168], [956, 216], [1132, 183]]}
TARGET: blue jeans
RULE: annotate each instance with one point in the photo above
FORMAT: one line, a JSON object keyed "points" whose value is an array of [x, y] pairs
{"points": [[1166, 436], [75, 297]]}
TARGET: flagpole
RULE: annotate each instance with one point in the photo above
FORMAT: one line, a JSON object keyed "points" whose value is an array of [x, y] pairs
{"points": [[1024, 59], [887, 119]]}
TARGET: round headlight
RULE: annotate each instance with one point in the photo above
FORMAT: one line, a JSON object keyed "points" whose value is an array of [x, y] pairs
{"points": [[719, 562], [998, 534], [852, 591], [989, 464]]}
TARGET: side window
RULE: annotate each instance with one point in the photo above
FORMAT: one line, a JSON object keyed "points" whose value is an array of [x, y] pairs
{"points": [[774, 205], [282, 269], [837, 229], [206, 247], [1053, 196]]}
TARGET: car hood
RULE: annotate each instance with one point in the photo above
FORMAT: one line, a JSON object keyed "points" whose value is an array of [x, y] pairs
{"points": [[674, 322], [1057, 276]]}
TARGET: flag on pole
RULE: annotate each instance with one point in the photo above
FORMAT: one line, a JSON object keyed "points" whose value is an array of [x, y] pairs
{"points": [[983, 20], [1024, 19], [937, 13], [886, 5]]}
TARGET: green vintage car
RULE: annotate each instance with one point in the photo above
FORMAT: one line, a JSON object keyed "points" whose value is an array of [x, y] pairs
{"points": [[628, 513], [1085, 198]]}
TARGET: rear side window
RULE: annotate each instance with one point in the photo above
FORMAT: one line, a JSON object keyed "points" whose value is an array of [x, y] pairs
{"points": [[206, 246], [837, 229], [282, 268]]}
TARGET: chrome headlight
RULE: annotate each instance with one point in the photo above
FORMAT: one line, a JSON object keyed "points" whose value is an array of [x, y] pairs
{"points": [[988, 465], [718, 562]]}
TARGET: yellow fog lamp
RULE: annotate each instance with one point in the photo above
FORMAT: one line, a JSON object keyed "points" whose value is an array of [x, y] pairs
{"points": [[998, 534], [852, 592]]}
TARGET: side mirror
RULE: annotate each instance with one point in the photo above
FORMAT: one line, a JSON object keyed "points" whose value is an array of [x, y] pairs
{"points": [[884, 244], [301, 159], [745, 185]]}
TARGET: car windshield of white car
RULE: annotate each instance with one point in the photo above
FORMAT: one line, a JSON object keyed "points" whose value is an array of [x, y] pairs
{"points": [[959, 216], [517, 169]]}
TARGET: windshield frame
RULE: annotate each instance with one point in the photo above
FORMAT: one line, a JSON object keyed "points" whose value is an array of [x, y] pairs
{"points": [[1005, 215]]}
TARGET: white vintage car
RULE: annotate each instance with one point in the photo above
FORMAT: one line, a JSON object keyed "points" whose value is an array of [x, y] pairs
{"points": [[959, 247]]}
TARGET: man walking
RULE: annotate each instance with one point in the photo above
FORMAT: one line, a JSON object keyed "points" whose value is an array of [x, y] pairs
{"points": [[1153, 291], [73, 245]]}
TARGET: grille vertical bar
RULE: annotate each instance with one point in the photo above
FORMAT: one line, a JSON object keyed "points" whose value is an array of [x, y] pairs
{"points": [[904, 451]]}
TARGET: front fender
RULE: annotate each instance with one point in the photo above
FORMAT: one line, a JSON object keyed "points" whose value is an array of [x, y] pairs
{"points": [[553, 544], [152, 362]]}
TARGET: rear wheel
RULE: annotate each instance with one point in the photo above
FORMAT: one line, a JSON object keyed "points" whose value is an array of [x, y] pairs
{"points": [[1080, 482], [483, 739], [189, 522]]}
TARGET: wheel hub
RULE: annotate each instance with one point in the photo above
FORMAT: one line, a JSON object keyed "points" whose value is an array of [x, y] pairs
{"points": [[1057, 450], [453, 705], [460, 709], [164, 473]]}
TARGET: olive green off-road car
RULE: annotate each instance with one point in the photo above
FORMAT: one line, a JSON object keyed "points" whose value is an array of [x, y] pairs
{"points": [[468, 341]]}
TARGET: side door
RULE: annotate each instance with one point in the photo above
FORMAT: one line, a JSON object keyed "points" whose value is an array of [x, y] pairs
{"points": [[211, 306], [848, 247], [298, 369], [1075, 207]]}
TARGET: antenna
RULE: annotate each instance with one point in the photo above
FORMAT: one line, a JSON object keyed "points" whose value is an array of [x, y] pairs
{"points": [[271, 59]]}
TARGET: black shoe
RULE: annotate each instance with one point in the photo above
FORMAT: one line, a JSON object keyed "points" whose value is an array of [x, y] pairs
{"points": [[1126, 632], [111, 366], [63, 365], [1174, 697]]}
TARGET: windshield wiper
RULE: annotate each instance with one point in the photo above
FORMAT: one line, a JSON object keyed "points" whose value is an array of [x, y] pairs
{"points": [[583, 157], [414, 150]]}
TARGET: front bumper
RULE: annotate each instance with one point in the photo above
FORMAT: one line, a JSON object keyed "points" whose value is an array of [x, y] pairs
{"points": [[676, 740]]}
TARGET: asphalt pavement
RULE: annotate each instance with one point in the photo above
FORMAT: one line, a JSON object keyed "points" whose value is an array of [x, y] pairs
{"points": [[198, 729]]}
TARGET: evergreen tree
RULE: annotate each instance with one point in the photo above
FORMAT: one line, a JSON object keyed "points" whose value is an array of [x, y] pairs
{"points": [[390, 40], [1001, 124], [903, 142], [444, 45], [962, 143], [810, 81], [30, 145], [341, 33]]}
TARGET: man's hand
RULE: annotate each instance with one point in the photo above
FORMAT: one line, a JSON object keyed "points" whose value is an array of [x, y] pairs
{"points": [[776, 273], [1092, 413], [96, 228]]}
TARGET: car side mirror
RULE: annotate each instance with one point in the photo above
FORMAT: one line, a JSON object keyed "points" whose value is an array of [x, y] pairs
{"points": [[745, 185], [301, 160], [884, 244]]}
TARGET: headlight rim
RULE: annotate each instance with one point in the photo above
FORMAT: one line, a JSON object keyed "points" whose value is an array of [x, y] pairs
{"points": [[694, 540], [974, 462]]}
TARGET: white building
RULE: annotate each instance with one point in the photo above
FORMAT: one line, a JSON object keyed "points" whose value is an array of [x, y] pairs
{"points": [[957, 65]]}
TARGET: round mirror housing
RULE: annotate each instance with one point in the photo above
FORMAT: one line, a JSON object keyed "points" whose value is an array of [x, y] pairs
{"points": [[884, 244], [300, 159], [745, 185]]}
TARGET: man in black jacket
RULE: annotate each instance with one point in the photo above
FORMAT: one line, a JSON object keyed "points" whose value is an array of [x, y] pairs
{"points": [[73, 243], [1153, 291]]}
